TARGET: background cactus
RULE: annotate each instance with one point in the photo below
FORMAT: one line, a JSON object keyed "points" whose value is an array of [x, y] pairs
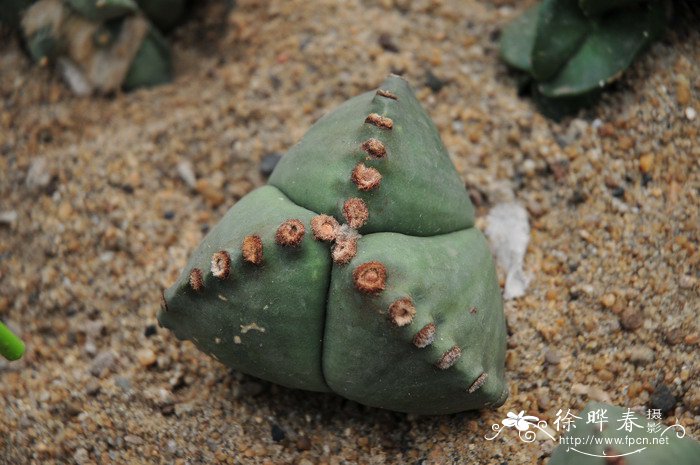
{"points": [[101, 45], [571, 49], [407, 317], [685, 451]]}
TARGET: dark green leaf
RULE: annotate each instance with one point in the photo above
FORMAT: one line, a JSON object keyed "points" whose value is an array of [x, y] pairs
{"points": [[152, 64], [561, 28], [614, 41], [517, 39]]}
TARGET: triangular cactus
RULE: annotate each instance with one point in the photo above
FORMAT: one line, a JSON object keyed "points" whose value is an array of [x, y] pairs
{"points": [[407, 316]]}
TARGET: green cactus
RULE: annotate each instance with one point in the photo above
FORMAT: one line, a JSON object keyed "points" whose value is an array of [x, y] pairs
{"points": [[407, 316], [152, 64], [107, 44], [572, 49], [11, 347], [613, 442]]}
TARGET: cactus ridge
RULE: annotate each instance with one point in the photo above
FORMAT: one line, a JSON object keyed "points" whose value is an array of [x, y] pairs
{"points": [[337, 310]]}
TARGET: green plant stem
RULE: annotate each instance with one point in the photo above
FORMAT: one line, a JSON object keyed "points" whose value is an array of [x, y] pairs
{"points": [[11, 347]]}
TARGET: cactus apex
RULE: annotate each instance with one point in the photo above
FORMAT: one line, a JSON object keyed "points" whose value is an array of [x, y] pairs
{"points": [[355, 212], [370, 277], [196, 281], [425, 336], [380, 121], [325, 228], [290, 233], [478, 382], [449, 358], [221, 264], [252, 249], [402, 311], [374, 148], [387, 94], [366, 178]]}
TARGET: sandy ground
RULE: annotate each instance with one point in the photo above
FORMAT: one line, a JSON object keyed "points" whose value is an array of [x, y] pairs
{"points": [[105, 221]]}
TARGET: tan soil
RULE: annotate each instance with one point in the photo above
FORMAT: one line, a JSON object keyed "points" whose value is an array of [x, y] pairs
{"points": [[611, 311]]}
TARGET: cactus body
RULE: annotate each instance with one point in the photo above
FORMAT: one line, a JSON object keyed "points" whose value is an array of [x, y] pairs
{"points": [[357, 271], [107, 45], [611, 441], [571, 49]]}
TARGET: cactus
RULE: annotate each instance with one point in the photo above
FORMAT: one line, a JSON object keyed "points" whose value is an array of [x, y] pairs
{"points": [[571, 49], [104, 45], [613, 444], [11, 347], [357, 270]]}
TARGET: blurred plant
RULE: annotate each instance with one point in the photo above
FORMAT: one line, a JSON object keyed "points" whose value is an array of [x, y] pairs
{"points": [[98, 45], [571, 49], [11, 347]]}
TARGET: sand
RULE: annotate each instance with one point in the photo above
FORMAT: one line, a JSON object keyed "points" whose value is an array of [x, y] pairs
{"points": [[104, 221]]}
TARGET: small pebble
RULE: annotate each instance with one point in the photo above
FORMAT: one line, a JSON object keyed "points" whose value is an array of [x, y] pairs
{"points": [[303, 443], [268, 163], [212, 194], [8, 218], [618, 192], [81, 456], [433, 82], [674, 336], [146, 357], [387, 43], [184, 169], [641, 355], [690, 113], [123, 383], [102, 364], [150, 330], [608, 300], [646, 162], [625, 143], [278, 433], [132, 439], [662, 398], [552, 357], [682, 90], [38, 176], [631, 319], [687, 281], [577, 198]]}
